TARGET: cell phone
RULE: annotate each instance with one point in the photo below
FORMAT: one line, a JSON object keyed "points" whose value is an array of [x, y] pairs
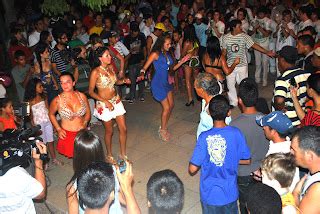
{"points": [[73, 21], [122, 165], [293, 82]]}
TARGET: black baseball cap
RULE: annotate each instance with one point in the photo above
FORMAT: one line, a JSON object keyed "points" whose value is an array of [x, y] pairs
{"points": [[111, 34], [289, 53]]}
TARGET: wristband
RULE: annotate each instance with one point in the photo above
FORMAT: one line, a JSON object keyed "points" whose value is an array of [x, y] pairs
{"points": [[124, 81], [142, 71]]}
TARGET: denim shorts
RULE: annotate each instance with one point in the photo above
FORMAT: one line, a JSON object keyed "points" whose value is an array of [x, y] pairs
{"points": [[231, 208]]}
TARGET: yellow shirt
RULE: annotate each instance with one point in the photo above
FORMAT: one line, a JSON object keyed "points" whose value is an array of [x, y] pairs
{"points": [[95, 29]]}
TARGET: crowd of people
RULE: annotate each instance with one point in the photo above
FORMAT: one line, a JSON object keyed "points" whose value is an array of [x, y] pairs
{"points": [[77, 70]]}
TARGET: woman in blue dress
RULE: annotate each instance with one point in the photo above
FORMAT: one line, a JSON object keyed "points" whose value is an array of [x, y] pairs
{"points": [[163, 63]]}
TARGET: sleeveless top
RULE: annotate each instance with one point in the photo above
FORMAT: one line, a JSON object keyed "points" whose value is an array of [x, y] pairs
{"points": [[311, 179], [8, 123], [154, 39], [40, 113], [106, 80], [311, 118], [67, 113]]}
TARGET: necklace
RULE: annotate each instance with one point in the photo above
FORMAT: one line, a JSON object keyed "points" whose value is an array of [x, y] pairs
{"points": [[167, 59], [107, 69]]}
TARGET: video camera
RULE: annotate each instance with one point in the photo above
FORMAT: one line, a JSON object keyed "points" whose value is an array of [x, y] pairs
{"points": [[16, 148]]}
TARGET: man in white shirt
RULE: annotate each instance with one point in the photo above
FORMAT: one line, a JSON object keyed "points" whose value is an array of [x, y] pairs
{"points": [[34, 37], [147, 25], [235, 44], [304, 16], [285, 33], [18, 188], [261, 31], [216, 26]]}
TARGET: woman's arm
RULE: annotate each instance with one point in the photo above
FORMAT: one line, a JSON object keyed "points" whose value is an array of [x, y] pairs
{"points": [[226, 69], [72, 200], [122, 61], [87, 116], [52, 116], [300, 112], [185, 48], [182, 61]]}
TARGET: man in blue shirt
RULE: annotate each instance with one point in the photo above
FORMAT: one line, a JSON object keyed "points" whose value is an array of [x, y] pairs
{"points": [[201, 28], [218, 152]]}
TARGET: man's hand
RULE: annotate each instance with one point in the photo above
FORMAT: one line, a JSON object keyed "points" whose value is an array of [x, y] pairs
{"points": [[42, 149], [271, 54], [125, 178]]}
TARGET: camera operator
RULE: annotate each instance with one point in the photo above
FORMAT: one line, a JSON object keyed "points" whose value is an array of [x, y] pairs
{"points": [[18, 188]]}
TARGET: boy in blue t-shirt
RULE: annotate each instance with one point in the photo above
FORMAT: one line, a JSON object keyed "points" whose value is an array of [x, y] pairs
{"points": [[218, 152]]}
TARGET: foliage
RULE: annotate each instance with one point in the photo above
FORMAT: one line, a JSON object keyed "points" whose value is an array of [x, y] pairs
{"points": [[54, 7]]}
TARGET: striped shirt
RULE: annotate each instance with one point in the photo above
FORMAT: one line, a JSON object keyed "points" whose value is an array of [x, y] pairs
{"points": [[282, 89], [237, 46], [57, 59], [312, 118]]}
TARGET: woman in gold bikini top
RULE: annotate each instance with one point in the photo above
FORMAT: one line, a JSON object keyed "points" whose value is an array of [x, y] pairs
{"points": [[104, 78]]}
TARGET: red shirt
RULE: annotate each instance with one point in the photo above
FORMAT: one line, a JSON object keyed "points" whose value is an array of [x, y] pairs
{"points": [[8, 123], [88, 22], [312, 118]]}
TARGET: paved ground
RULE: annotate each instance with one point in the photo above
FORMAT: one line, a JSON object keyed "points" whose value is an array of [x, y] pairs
{"points": [[147, 152]]}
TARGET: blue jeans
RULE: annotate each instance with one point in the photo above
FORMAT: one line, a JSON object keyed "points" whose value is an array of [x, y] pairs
{"points": [[231, 208]]}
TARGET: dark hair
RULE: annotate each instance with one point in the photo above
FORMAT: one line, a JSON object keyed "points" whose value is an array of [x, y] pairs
{"points": [[19, 53], [311, 29], [281, 167], [4, 102], [31, 91], [248, 92], [263, 199], [58, 33], [95, 38], [164, 18], [262, 9], [233, 24], [44, 36], [95, 184], [96, 54], [262, 106], [97, 14], [208, 83], [309, 138], [178, 31], [307, 40], [244, 11], [286, 12], [40, 48], [165, 192], [159, 43], [213, 48], [189, 33], [307, 10], [67, 74], [219, 107], [314, 82]]}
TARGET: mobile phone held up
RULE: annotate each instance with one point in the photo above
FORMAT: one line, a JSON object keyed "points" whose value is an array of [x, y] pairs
{"points": [[293, 82], [122, 165]]}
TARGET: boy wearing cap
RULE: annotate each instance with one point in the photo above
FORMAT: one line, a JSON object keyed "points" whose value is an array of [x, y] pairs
{"points": [[276, 127], [291, 76], [159, 29]]}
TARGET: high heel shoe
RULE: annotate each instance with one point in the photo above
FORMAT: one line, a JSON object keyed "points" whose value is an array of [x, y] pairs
{"points": [[163, 135], [190, 103]]}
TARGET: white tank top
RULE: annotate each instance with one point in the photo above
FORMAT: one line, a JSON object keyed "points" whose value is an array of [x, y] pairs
{"points": [[311, 179], [154, 39]]}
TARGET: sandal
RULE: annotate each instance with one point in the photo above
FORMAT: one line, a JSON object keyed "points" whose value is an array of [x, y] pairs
{"points": [[164, 135], [57, 162], [110, 159], [124, 157]]}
